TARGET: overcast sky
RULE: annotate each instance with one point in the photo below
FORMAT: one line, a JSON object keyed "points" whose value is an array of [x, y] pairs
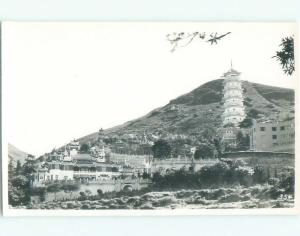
{"points": [[66, 80]]}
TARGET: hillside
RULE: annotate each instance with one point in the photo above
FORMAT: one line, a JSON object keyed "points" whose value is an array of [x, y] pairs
{"points": [[16, 154], [202, 108]]}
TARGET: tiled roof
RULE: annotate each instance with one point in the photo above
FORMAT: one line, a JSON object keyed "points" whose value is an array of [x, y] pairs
{"points": [[231, 71]]}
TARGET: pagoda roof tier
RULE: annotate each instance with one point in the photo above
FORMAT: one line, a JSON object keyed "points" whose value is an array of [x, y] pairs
{"points": [[231, 72], [226, 89], [239, 86], [233, 105], [231, 78], [234, 116], [227, 96], [233, 113]]}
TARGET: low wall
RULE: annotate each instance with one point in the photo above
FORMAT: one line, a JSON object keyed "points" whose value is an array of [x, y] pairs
{"points": [[92, 187], [176, 164], [276, 164], [249, 154]]}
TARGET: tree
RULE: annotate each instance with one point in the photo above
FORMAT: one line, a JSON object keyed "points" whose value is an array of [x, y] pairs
{"points": [[243, 141], [286, 55], [204, 151], [19, 182], [54, 188], [183, 39], [161, 149], [18, 168], [29, 168], [100, 192], [84, 148], [18, 192], [259, 175], [246, 123], [70, 188], [11, 169], [218, 146]]}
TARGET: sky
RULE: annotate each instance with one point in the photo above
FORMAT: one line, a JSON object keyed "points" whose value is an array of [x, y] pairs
{"points": [[62, 81]]}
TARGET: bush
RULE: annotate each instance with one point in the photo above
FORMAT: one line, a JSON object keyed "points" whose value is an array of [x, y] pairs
{"points": [[204, 151], [246, 123], [288, 184], [82, 196], [228, 172], [259, 175]]}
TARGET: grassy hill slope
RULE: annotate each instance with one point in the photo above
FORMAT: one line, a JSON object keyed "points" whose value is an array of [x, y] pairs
{"points": [[202, 108]]}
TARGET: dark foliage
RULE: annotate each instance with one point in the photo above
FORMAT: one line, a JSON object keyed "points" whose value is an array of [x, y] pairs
{"points": [[246, 123], [161, 149], [224, 173], [286, 55], [84, 148], [243, 142], [254, 114], [204, 151]]}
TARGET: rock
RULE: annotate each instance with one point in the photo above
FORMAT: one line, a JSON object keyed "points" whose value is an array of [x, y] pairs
{"points": [[132, 200], [216, 194], [86, 207], [71, 205], [147, 206], [230, 198], [184, 194], [201, 201], [164, 201]]}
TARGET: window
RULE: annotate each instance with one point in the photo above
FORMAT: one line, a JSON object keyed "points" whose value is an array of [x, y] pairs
{"points": [[282, 128], [274, 128], [56, 177], [262, 128], [274, 136]]}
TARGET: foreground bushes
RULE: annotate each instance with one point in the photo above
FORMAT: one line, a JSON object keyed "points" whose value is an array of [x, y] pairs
{"points": [[224, 173], [257, 196]]}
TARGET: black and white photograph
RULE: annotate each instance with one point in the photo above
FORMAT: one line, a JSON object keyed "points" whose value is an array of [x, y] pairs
{"points": [[149, 118]]}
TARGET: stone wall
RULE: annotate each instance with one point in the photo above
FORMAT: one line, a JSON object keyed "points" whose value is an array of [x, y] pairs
{"points": [[176, 164], [275, 164]]}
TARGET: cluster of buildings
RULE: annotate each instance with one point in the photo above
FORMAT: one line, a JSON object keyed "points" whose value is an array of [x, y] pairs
{"points": [[95, 164], [265, 135], [103, 162]]}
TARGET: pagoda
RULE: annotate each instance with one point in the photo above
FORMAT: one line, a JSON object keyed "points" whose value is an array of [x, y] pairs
{"points": [[234, 111]]}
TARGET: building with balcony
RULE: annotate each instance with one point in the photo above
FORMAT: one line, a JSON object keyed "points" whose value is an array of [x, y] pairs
{"points": [[83, 167]]}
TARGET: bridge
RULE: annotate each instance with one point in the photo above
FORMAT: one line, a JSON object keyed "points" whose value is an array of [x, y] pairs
{"points": [[119, 185]]}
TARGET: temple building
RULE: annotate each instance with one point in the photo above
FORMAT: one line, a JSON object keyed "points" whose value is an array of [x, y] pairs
{"points": [[234, 111], [83, 168], [71, 164]]}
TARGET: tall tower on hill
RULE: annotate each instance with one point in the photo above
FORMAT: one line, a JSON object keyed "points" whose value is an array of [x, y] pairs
{"points": [[100, 136], [234, 111]]}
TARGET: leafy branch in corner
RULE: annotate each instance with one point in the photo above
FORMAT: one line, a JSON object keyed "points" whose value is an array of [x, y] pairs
{"points": [[286, 55], [183, 39]]}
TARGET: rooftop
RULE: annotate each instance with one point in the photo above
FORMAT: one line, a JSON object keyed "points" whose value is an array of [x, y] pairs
{"points": [[231, 72]]}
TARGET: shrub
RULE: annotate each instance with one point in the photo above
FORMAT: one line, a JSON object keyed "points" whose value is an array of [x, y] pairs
{"points": [[259, 175], [204, 151], [82, 196]]}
